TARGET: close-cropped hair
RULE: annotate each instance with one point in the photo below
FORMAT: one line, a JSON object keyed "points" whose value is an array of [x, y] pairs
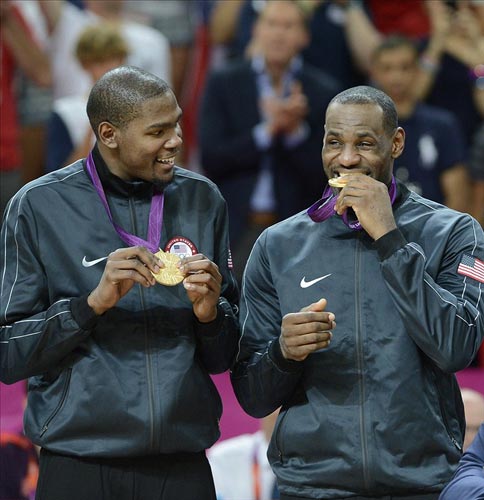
{"points": [[117, 97], [364, 94]]}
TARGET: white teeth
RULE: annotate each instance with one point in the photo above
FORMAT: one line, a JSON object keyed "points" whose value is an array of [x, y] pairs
{"points": [[169, 161]]}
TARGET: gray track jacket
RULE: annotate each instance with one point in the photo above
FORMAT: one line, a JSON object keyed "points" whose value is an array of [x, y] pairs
{"points": [[379, 412], [134, 381]]}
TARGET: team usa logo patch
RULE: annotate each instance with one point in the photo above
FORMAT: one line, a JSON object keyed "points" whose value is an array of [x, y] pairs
{"points": [[181, 246], [472, 267]]}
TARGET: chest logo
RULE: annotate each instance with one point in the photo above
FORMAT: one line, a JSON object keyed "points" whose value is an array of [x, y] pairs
{"points": [[181, 246], [307, 284], [89, 263]]}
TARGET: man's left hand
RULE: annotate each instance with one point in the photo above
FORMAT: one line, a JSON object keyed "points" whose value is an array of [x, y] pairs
{"points": [[203, 283]]}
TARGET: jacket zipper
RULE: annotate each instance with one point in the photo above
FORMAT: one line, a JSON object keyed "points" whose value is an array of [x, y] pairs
{"points": [[61, 403], [149, 376], [360, 367], [149, 367]]}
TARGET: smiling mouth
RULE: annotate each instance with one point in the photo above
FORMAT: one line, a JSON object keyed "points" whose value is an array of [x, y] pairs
{"points": [[166, 161]]}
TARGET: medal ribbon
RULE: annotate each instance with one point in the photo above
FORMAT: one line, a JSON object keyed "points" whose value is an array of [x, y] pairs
{"points": [[324, 208], [155, 221]]}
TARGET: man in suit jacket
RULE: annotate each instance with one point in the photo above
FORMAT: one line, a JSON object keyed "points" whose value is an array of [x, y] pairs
{"points": [[260, 127]]}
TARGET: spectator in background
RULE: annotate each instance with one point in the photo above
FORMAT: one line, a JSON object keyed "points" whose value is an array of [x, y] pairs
{"points": [[433, 161], [327, 49], [468, 481], [148, 48], [100, 48], [34, 101], [176, 20], [474, 413], [450, 35], [240, 467], [18, 50], [466, 43], [462, 63], [260, 128]]}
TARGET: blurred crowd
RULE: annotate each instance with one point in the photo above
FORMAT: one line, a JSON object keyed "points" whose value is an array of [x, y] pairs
{"points": [[253, 92], [427, 55]]}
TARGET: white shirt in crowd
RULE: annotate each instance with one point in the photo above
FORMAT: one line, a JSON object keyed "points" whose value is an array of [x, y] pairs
{"points": [[149, 50], [238, 465]]}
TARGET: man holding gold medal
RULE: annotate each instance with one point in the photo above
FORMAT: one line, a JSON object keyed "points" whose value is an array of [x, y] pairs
{"points": [[117, 301], [355, 315]]}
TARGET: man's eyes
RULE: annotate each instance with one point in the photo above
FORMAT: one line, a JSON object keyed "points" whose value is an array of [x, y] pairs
{"points": [[362, 144], [161, 131]]}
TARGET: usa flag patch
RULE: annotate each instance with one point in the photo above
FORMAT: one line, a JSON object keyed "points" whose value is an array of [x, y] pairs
{"points": [[472, 267]]}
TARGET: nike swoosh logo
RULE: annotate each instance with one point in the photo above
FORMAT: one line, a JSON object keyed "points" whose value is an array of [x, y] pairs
{"points": [[89, 263], [306, 284]]}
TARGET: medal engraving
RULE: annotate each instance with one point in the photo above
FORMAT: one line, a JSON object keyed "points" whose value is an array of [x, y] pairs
{"points": [[170, 275]]}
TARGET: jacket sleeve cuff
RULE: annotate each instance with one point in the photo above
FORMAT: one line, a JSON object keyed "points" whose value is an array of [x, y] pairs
{"points": [[211, 329], [286, 365], [83, 313], [389, 243]]}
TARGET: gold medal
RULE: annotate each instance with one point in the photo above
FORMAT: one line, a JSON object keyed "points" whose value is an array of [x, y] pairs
{"points": [[338, 182], [169, 275]]}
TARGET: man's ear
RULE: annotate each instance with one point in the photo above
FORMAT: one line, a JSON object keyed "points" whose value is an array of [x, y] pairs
{"points": [[108, 135], [398, 142]]}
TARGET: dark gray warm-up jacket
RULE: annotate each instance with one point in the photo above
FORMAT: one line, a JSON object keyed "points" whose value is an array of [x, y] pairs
{"points": [[378, 412], [134, 381]]}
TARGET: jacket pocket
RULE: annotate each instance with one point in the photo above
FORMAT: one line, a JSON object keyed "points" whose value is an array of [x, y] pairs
{"points": [[278, 434], [443, 412], [65, 390]]}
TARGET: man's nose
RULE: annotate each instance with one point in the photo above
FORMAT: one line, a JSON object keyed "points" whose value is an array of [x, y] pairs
{"points": [[349, 156], [175, 139]]}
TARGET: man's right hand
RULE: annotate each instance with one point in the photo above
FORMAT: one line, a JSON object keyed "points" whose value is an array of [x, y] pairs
{"points": [[124, 268], [306, 331]]}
